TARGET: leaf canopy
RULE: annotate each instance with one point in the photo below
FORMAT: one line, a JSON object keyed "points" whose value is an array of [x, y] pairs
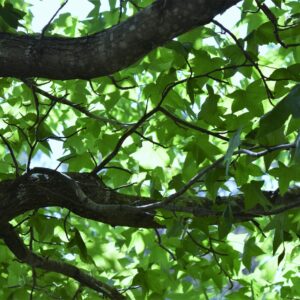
{"points": [[208, 122]]}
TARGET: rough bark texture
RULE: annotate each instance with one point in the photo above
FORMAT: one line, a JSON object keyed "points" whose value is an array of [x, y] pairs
{"points": [[87, 196], [108, 51]]}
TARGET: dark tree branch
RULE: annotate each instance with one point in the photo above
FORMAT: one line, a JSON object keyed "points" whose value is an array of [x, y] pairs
{"points": [[109, 51], [17, 247], [86, 196]]}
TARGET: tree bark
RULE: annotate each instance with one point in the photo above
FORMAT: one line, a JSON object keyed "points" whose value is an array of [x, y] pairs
{"points": [[86, 196], [108, 51]]}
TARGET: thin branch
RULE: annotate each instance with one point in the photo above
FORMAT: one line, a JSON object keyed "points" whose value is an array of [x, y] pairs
{"points": [[256, 224], [93, 89], [220, 265], [34, 283], [203, 247], [210, 167], [65, 225], [119, 168], [219, 161], [135, 5], [12, 154], [78, 107], [52, 18], [36, 103], [159, 242], [124, 186], [21, 130], [144, 118], [116, 83], [192, 126], [37, 140], [63, 161], [16, 245], [273, 20], [150, 140], [120, 11], [248, 57], [134, 127], [61, 138]]}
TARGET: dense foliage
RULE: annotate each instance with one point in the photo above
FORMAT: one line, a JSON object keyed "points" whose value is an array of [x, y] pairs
{"points": [[209, 123]]}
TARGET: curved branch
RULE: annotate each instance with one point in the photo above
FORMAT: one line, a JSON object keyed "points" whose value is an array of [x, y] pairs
{"points": [[17, 247], [86, 196], [109, 51]]}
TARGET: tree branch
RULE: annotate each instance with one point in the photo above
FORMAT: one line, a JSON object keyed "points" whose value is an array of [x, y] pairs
{"points": [[86, 196], [109, 51], [17, 247]]}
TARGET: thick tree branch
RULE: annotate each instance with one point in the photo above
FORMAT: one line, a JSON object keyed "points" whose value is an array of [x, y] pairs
{"points": [[87, 196], [16, 245], [108, 51]]}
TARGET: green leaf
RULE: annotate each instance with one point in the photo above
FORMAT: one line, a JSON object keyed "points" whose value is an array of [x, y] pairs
{"points": [[251, 250], [276, 118], [254, 195], [233, 144], [80, 244], [225, 223], [285, 175], [281, 257], [11, 15]]}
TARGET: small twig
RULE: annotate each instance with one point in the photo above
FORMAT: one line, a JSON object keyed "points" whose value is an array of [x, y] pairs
{"points": [[124, 186], [134, 4], [37, 140], [248, 57], [118, 168], [93, 89], [75, 106], [92, 157], [150, 140], [36, 103], [210, 167], [192, 126], [220, 265], [21, 222], [21, 130], [61, 138], [135, 126], [32, 267], [50, 21], [159, 242], [273, 20], [120, 11], [63, 161], [256, 224], [116, 83], [12, 154], [203, 247], [65, 224]]}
